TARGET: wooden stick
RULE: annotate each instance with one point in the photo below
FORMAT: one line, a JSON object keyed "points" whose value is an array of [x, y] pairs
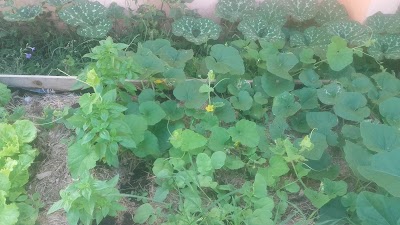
{"points": [[69, 83]]}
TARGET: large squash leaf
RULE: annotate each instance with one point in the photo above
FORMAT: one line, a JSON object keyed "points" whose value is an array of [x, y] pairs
{"points": [[390, 110], [225, 59], [351, 106], [284, 105], [373, 209], [384, 171], [330, 10], [380, 137], [385, 47], [301, 10], [234, 10]]}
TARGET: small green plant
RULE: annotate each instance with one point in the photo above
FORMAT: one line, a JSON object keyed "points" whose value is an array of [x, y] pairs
{"points": [[87, 200]]}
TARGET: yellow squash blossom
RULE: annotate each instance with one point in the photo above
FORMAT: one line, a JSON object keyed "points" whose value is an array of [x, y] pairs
{"points": [[210, 108]]}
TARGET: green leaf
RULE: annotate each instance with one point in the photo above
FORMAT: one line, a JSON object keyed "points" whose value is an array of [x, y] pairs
{"points": [[218, 159], [234, 10], [25, 13], [157, 46], [310, 78], [313, 37], [390, 109], [259, 186], [152, 112], [204, 164], [281, 64], [319, 146], [188, 92], [351, 106], [284, 105], [135, 127], [243, 101], [301, 10], [356, 156], [351, 132], [383, 23], [146, 95], [321, 120], [380, 137], [317, 199], [384, 171], [375, 209], [277, 127], [245, 132], [334, 188], [339, 55], [353, 32], [276, 169], [361, 83], [258, 28], [81, 158], [5, 95], [219, 136], [225, 113], [196, 30], [273, 12], [173, 110], [385, 47], [225, 59], [307, 56], [307, 97], [330, 10], [25, 130], [8, 212], [148, 147], [90, 18], [328, 93], [176, 58], [148, 62], [187, 140], [274, 85], [143, 213]]}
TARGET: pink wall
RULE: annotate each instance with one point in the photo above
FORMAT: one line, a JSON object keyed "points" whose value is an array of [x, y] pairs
{"points": [[358, 9]]}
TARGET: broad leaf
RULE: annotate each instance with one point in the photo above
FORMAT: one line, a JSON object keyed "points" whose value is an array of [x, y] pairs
{"points": [[187, 140], [328, 93], [356, 156], [389, 109], [143, 213], [204, 164], [81, 158], [301, 10], [284, 105], [243, 101], [339, 55], [373, 209], [258, 28], [330, 10], [310, 78], [152, 112], [384, 171], [234, 10], [277, 127], [245, 132], [196, 30], [225, 59], [188, 92], [281, 64], [380, 137], [383, 23], [385, 47], [307, 98], [5, 95], [353, 32], [351, 106], [274, 85]]}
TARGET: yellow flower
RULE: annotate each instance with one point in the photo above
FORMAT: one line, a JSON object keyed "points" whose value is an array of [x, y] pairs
{"points": [[159, 81], [210, 108]]}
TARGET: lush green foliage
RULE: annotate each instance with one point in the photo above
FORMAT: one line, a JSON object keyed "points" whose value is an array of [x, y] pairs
{"points": [[16, 156], [266, 124]]}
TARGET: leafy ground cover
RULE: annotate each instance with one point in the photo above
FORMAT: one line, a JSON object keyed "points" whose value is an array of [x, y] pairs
{"points": [[278, 127]]}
